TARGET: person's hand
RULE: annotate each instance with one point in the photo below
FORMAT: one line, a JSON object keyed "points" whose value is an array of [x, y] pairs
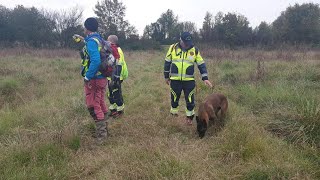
{"points": [[116, 83], [168, 81], [87, 82], [111, 83], [77, 38], [208, 83]]}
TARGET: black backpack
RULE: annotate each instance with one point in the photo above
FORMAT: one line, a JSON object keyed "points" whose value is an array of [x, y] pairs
{"points": [[108, 62]]}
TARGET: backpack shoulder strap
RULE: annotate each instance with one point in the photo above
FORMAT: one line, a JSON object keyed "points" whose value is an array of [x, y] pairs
{"points": [[96, 40], [107, 47], [197, 51], [174, 47], [100, 43]]}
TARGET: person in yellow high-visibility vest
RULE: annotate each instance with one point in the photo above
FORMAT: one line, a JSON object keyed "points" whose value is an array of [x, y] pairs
{"points": [[179, 73], [94, 81], [119, 74]]}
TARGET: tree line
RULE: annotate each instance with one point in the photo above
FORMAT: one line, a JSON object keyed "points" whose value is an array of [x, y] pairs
{"points": [[298, 24], [32, 27]]}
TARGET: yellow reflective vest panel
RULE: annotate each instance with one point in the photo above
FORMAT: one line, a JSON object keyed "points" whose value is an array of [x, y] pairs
{"points": [[85, 60], [124, 70], [179, 64], [121, 69]]}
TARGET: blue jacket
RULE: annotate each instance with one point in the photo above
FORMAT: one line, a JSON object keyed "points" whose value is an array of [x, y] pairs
{"points": [[94, 55]]}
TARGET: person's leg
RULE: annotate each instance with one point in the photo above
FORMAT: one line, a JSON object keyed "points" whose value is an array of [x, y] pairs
{"points": [[101, 125], [189, 89], [89, 97], [103, 105], [175, 88], [99, 96], [119, 99], [113, 106]]}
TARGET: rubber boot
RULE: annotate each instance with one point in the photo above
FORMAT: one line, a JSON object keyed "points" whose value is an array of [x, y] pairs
{"points": [[101, 131]]}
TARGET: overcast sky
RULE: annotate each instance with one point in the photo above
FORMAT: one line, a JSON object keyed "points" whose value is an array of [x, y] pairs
{"points": [[143, 12]]}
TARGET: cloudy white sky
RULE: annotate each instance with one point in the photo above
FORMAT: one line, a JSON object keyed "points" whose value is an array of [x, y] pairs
{"points": [[143, 12]]}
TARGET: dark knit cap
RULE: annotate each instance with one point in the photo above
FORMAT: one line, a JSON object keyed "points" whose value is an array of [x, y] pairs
{"points": [[91, 24], [187, 38]]}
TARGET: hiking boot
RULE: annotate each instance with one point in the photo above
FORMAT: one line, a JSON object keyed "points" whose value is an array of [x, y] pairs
{"points": [[189, 119], [117, 114], [112, 112], [101, 131]]}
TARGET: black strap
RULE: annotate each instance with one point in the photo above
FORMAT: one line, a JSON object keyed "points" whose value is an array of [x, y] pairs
{"points": [[174, 46], [197, 51]]}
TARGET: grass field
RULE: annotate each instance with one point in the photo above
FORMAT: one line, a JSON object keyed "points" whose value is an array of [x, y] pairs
{"points": [[272, 129]]}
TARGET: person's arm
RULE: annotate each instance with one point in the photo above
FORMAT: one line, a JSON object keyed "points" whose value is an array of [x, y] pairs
{"points": [[203, 69], [77, 38], [167, 64], [95, 61], [119, 65], [117, 73]]}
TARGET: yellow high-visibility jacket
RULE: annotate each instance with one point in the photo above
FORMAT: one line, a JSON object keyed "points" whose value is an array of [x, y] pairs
{"points": [[179, 63], [121, 69]]}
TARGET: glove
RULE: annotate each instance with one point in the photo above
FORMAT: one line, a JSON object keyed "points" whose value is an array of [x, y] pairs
{"points": [[86, 80], [117, 80], [77, 38], [115, 83]]}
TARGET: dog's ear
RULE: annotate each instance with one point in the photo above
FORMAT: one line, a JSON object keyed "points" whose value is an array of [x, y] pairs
{"points": [[197, 118]]}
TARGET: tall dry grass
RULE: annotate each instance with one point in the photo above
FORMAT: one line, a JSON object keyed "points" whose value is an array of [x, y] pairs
{"points": [[270, 133], [39, 53]]}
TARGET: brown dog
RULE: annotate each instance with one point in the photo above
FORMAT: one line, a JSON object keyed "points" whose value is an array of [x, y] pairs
{"points": [[209, 110]]}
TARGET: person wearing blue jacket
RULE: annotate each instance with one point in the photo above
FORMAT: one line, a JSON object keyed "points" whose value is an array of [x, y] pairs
{"points": [[94, 82]]}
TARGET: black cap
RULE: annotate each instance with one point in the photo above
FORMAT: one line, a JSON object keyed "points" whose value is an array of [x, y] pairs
{"points": [[91, 24], [187, 38]]}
